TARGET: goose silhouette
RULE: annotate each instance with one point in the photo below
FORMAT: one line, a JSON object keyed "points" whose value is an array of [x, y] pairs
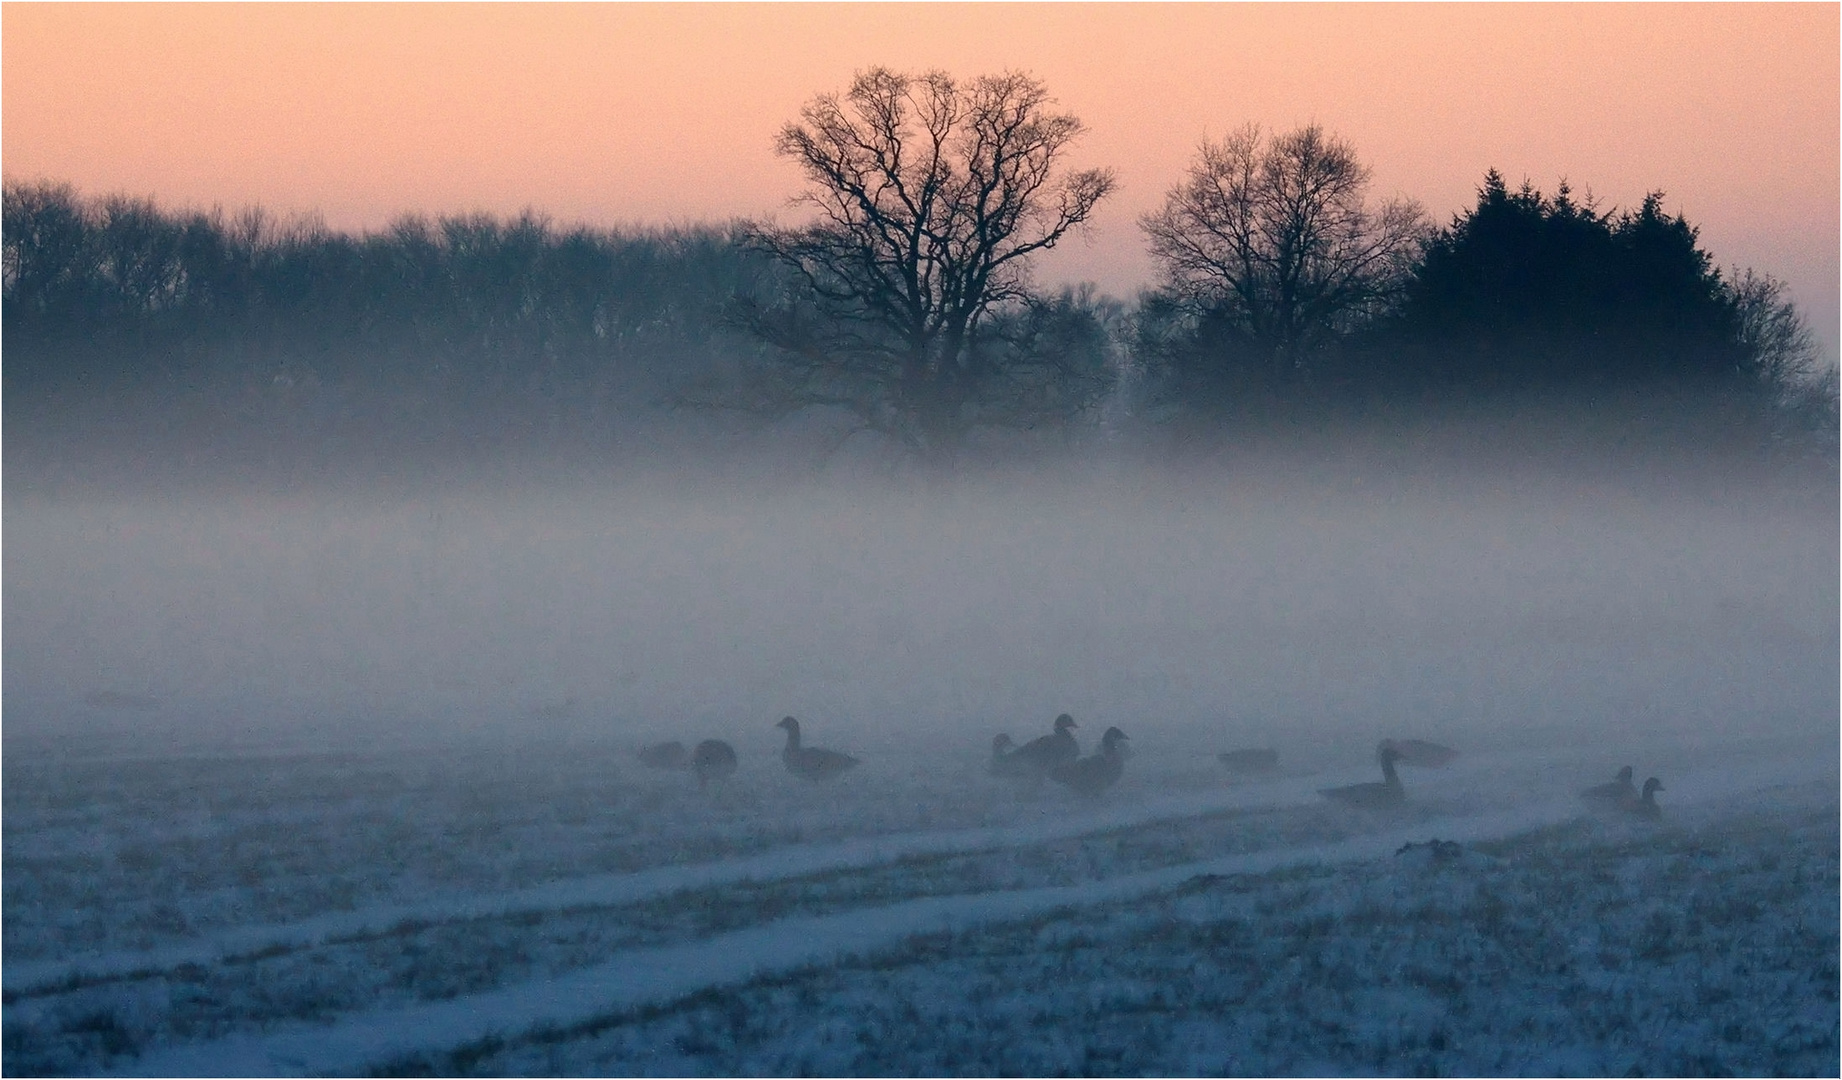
{"points": [[1045, 753], [1005, 762], [1373, 796], [1095, 773], [1616, 793], [1645, 806], [713, 759], [810, 762]]}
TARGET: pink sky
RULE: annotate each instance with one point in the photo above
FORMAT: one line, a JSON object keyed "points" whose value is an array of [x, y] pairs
{"points": [[652, 113]]}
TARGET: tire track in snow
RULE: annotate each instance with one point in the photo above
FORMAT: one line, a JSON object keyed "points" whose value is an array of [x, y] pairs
{"points": [[657, 975], [37, 978], [608, 890]]}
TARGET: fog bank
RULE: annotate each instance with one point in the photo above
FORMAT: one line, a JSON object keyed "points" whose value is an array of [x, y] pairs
{"points": [[1203, 609]]}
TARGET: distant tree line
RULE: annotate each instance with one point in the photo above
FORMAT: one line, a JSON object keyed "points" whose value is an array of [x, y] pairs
{"points": [[464, 327], [1299, 294], [904, 306]]}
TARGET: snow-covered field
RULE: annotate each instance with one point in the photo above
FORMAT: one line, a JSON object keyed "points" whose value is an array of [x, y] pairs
{"points": [[578, 914], [259, 816]]}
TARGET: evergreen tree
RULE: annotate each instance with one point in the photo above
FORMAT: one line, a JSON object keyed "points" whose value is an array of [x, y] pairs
{"points": [[1527, 291]]}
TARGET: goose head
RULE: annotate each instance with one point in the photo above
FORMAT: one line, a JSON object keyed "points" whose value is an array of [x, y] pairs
{"points": [[789, 724], [1109, 743], [1651, 787], [1064, 722], [1624, 775]]}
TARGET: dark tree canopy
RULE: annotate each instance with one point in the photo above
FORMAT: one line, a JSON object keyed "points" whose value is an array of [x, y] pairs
{"points": [[912, 282], [1533, 290]]}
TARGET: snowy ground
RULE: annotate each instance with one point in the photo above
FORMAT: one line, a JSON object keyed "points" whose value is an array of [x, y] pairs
{"points": [[347, 786], [478, 911]]}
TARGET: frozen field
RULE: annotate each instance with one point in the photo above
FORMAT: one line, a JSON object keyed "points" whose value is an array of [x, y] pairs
{"points": [[577, 914], [292, 791]]}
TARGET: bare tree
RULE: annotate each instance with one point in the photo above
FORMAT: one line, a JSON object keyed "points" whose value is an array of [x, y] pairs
{"points": [[1776, 345], [1274, 237], [931, 197], [1782, 359]]}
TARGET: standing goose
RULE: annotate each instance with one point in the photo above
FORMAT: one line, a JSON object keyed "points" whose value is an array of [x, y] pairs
{"points": [[1646, 805], [810, 762], [1616, 793], [1041, 755], [1094, 774], [713, 759], [1387, 793]]}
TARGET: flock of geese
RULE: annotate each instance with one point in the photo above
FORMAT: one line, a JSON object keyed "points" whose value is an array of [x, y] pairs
{"points": [[1057, 757], [1621, 795], [715, 759]]}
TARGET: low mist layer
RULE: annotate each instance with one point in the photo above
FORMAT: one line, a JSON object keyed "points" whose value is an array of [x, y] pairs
{"points": [[1263, 605]]}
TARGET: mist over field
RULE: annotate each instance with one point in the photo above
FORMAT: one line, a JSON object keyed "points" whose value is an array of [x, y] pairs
{"points": [[341, 779], [1388, 643], [1266, 601]]}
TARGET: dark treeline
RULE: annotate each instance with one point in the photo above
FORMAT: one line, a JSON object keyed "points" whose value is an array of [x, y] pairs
{"points": [[462, 333], [1522, 301], [1288, 299]]}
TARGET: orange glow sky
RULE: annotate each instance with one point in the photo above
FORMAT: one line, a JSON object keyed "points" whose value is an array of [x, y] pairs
{"points": [[644, 113]]}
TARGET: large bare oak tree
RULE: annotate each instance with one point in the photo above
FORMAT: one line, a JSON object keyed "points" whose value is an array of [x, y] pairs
{"points": [[912, 305]]}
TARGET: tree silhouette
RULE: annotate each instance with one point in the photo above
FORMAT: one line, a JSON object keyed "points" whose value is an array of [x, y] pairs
{"points": [[930, 197], [1530, 291], [285, 338], [1270, 252], [244, 335], [1783, 362]]}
